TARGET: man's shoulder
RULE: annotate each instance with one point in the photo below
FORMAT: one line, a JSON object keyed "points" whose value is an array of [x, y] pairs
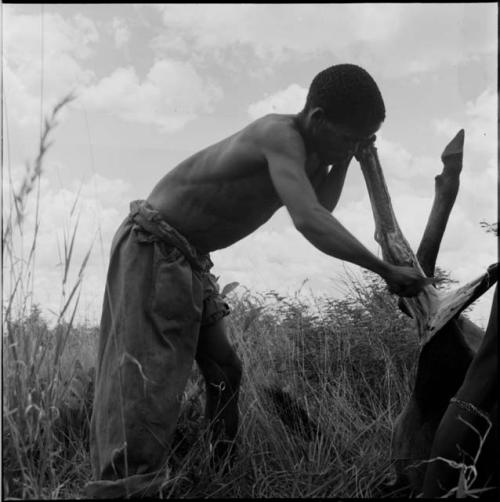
{"points": [[276, 132], [275, 124]]}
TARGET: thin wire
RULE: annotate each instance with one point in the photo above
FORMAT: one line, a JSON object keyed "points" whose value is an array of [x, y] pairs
{"points": [[1, 170], [92, 165], [8, 244], [42, 67], [7, 158], [42, 72]]}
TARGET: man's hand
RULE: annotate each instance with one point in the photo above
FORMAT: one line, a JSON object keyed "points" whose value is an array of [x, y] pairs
{"points": [[406, 281]]}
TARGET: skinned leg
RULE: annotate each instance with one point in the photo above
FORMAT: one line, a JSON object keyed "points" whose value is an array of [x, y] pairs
{"points": [[479, 389], [221, 369]]}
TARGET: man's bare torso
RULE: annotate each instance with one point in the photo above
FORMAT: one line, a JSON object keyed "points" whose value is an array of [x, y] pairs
{"points": [[224, 192]]}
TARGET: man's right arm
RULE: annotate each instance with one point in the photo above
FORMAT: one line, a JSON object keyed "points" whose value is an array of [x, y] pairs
{"points": [[286, 158]]}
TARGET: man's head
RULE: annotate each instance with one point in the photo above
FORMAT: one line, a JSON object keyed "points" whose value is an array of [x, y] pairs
{"points": [[343, 107]]}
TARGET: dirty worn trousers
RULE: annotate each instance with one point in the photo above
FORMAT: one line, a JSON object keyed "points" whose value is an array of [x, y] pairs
{"points": [[152, 311]]}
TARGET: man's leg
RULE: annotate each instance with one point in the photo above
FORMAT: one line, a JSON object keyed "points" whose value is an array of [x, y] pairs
{"points": [[148, 338], [479, 391], [222, 370]]}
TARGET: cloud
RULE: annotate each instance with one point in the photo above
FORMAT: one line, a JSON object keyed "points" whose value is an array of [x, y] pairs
{"points": [[66, 44], [401, 166], [99, 208], [479, 122], [290, 100], [377, 36], [279, 258], [171, 95], [267, 28], [121, 32], [479, 177], [453, 34], [194, 48]]}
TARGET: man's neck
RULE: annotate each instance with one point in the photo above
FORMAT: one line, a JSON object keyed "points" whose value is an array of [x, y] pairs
{"points": [[301, 124]]}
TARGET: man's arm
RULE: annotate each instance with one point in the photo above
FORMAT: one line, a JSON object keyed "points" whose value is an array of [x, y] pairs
{"points": [[286, 158], [328, 189]]}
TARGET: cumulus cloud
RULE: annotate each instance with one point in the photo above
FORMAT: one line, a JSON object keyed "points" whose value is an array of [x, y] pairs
{"points": [[267, 28], [290, 100], [380, 36], [279, 258], [170, 96], [99, 208], [121, 32], [480, 123], [66, 44], [479, 177]]}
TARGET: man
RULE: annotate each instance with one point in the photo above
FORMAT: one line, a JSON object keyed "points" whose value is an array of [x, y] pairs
{"points": [[471, 413], [162, 309]]}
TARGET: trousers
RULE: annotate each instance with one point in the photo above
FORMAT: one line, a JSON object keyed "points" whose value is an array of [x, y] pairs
{"points": [[159, 291]]}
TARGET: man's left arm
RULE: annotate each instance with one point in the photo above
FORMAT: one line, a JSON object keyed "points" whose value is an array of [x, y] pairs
{"points": [[328, 191]]}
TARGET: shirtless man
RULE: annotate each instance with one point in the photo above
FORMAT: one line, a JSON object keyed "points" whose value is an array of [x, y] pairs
{"points": [[162, 309]]}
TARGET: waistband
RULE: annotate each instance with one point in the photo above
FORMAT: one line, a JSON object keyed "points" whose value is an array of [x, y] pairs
{"points": [[149, 219]]}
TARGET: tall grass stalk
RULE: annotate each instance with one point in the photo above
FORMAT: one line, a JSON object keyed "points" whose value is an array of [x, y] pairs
{"points": [[36, 458]]}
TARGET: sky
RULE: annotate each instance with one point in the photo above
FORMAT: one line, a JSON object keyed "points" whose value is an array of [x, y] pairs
{"points": [[156, 83]]}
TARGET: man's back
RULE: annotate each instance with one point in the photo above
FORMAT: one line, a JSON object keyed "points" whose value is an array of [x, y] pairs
{"points": [[224, 192]]}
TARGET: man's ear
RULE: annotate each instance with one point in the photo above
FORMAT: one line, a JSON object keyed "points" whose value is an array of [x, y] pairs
{"points": [[317, 114], [316, 118]]}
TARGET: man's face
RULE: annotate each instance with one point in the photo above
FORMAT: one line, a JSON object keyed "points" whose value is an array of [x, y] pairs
{"points": [[338, 142]]}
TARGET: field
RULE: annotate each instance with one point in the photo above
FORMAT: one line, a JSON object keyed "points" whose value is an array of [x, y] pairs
{"points": [[347, 363]]}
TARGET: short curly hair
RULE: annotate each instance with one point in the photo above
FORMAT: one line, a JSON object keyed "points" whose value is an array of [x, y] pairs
{"points": [[348, 95]]}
